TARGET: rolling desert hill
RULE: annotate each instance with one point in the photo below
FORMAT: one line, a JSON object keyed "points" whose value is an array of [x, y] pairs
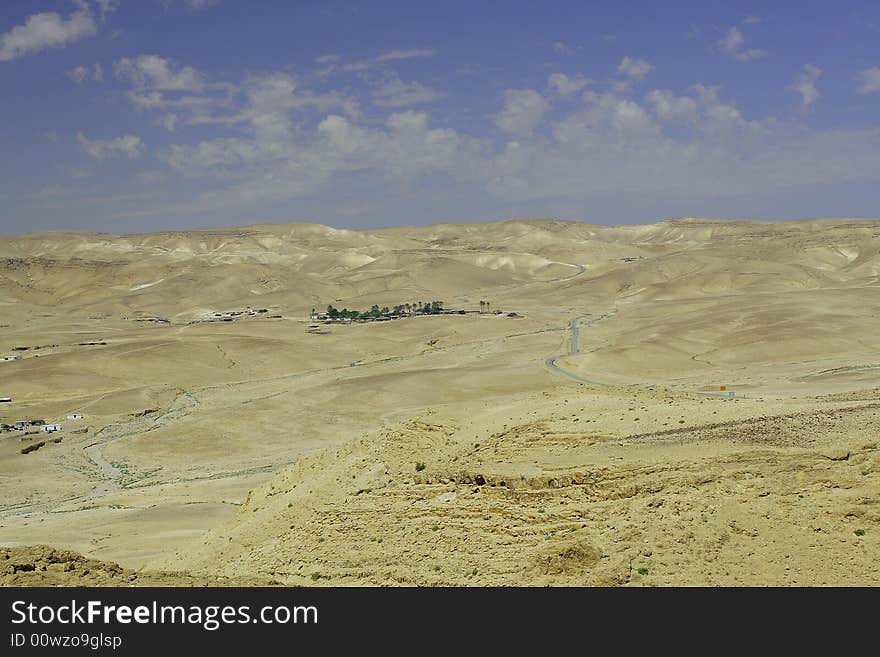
{"points": [[695, 401]]}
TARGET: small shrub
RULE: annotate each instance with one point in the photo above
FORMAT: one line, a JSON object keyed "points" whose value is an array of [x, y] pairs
{"points": [[859, 532], [643, 571], [420, 466]]}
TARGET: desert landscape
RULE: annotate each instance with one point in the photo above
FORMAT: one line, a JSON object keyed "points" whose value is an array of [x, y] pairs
{"points": [[689, 402]]}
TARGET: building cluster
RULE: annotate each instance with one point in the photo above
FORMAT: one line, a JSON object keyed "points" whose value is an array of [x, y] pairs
{"points": [[40, 425], [233, 315]]}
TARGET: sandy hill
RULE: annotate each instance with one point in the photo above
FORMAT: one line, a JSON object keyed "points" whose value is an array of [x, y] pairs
{"points": [[584, 434]]}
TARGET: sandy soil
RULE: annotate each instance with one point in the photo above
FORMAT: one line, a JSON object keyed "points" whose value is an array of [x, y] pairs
{"points": [[585, 442]]}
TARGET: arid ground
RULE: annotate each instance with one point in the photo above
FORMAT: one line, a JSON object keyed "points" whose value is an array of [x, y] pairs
{"points": [[692, 402]]}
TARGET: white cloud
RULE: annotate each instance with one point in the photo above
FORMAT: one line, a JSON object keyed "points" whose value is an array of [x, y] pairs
{"points": [[732, 42], [750, 54], [261, 103], [212, 156], [522, 112], [566, 86], [178, 92], [272, 96], [154, 72], [669, 107], [168, 121], [394, 55], [633, 68], [279, 141], [396, 93], [389, 56], [614, 146], [47, 30], [403, 149], [128, 145], [80, 74], [805, 84], [870, 80], [107, 7], [264, 110]]}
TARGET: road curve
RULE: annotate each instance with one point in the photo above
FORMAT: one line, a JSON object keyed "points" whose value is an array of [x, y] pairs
{"points": [[573, 348]]}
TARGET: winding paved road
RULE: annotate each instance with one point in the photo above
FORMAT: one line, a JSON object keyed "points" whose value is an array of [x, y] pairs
{"points": [[573, 348]]}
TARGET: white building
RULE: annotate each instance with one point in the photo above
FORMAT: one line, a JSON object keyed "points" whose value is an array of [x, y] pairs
{"points": [[7, 359], [51, 428], [75, 416]]}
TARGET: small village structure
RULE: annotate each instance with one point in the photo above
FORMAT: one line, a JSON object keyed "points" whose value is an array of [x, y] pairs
{"points": [[5, 400], [232, 315], [21, 425], [8, 359], [74, 416], [51, 428]]}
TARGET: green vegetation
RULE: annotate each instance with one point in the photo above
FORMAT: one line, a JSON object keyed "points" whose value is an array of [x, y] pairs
{"points": [[859, 532], [400, 310], [420, 466], [643, 571]]}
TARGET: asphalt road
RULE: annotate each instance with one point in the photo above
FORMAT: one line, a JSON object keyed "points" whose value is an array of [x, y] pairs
{"points": [[573, 348]]}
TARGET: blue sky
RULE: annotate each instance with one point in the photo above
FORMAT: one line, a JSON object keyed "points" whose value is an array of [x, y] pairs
{"points": [[138, 115]]}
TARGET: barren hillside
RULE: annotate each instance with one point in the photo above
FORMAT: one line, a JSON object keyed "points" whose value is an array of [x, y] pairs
{"points": [[688, 402]]}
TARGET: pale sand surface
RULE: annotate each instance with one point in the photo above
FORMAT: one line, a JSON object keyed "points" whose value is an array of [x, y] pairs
{"points": [[276, 454]]}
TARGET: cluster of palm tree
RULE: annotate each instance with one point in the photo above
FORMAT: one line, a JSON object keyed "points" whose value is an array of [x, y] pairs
{"points": [[484, 306], [400, 310], [419, 308]]}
